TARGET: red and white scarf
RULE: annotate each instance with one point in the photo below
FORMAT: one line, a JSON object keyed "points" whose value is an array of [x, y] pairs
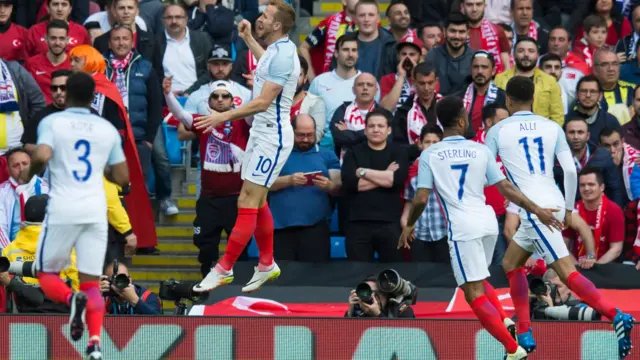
{"points": [[353, 116], [489, 97], [410, 36], [119, 76], [629, 156], [587, 52], [416, 119], [491, 44], [333, 28], [252, 63], [533, 30], [601, 213]]}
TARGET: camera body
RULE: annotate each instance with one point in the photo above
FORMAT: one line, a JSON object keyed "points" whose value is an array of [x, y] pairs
{"points": [[120, 281], [398, 290]]}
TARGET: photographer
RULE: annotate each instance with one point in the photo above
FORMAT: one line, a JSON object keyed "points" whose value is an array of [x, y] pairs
{"points": [[124, 297], [378, 303], [551, 299]]}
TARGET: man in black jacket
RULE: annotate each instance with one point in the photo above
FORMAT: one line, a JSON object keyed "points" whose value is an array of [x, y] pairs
{"points": [[172, 56], [126, 12], [587, 154], [373, 175]]}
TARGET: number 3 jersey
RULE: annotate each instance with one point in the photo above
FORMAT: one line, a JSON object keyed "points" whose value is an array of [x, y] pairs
{"points": [[83, 145], [528, 145], [458, 170]]}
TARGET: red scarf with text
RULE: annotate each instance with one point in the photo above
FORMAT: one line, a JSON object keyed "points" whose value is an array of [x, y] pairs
{"points": [[491, 44], [353, 116], [416, 119], [601, 213], [533, 30], [333, 28]]}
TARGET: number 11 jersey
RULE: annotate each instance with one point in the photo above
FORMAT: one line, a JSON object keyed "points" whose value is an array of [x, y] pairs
{"points": [[527, 145], [83, 145], [458, 170]]}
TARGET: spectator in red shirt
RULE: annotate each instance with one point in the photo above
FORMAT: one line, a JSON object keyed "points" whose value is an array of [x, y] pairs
{"points": [[483, 35], [396, 88], [617, 26], [222, 150], [594, 38], [12, 36], [58, 10], [560, 44], [41, 66], [605, 218]]}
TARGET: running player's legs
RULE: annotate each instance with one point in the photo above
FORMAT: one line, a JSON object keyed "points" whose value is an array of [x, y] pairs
{"points": [[53, 254], [470, 261]]}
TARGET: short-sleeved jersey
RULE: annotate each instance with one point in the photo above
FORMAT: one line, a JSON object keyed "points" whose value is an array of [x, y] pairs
{"points": [[527, 145], [280, 65], [458, 170], [83, 145]]}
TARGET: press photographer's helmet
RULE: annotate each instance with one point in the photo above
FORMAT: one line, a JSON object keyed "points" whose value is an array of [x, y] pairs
{"points": [[35, 208]]}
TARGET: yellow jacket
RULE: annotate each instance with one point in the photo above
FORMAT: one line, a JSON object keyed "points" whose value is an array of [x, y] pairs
{"points": [[116, 213], [23, 248], [547, 99]]}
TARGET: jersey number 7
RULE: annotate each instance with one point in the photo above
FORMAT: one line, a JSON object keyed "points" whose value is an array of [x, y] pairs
{"points": [[463, 176], [525, 144]]}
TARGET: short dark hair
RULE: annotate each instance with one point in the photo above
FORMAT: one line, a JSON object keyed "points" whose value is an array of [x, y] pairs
{"points": [[80, 88], [560, 27], [57, 24], [593, 21], [91, 25], [456, 18], [424, 68], [431, 129], [378, 112], [350, 37], [588, 170], [60, 73], [304, 65], [14, 151], [392, 4], [449, 109], [484, 54], [427, 25], [589, 78], [490, 110], [520, 89], [608, 131], [179, 4], [522, 39], [506, 27], [549, 57], [573, 117]]}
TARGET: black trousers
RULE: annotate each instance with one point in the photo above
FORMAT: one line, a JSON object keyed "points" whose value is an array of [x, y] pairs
{"points": [[115, 247], [430, 251], [303, 243], [364, 238], [213, 215]]}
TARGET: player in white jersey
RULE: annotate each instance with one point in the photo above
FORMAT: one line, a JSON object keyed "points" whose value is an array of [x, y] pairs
{"points": [[270, 143], [78, 148], [527, 145], [458, 170]]}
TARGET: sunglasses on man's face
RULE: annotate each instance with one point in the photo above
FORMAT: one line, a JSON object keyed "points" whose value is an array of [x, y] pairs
{"points": [[221, 96], [55, 88]]}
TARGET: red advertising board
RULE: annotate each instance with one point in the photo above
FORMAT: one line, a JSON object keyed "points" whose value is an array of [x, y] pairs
{"points": [[227, 338]]}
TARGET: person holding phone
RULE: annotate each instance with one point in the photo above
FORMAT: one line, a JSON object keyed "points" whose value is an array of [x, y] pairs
{"points": [[300, 198]]}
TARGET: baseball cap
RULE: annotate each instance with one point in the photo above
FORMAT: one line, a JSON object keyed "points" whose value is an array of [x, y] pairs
{"points": [[34, 209], [221, 85], [411, 40], [220, 52]]}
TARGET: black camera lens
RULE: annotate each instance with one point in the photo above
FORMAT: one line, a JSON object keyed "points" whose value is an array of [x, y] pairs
{"points": [[538, 286], [364, 292], [121, 281]]}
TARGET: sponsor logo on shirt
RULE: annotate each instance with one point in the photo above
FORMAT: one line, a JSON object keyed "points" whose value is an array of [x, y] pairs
{"points": [[40, 72]]}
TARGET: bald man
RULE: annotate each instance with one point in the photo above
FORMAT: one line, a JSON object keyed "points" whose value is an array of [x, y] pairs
{"points": [[347, 124]]}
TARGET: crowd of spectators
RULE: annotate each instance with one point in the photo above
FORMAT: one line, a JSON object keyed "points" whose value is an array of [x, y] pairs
{"points": [[363, 111]]}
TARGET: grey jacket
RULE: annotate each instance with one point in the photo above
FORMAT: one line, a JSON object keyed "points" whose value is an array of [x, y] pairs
{"points": [[30, 96], [453, 73]]}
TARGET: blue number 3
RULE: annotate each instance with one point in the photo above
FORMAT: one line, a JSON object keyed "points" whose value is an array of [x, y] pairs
{"points": [[463, 175], [83, 158]]}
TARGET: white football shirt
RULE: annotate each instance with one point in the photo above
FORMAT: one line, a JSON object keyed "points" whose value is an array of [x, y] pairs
{"points": [[83, 144], [280, 65], [458, 170], [527, 145]]}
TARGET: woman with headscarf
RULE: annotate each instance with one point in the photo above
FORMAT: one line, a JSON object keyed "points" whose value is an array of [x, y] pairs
{"points": [[108, 103]]}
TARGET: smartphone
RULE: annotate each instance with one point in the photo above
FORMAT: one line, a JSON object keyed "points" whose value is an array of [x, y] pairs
{"points": [[310, 176]]}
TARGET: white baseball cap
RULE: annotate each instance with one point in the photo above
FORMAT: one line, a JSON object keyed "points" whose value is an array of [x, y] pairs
{"points": [[221, 85]]}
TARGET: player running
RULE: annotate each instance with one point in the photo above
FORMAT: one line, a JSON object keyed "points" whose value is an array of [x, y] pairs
{"points": [[459, 169], [527, 145], [79, 148], [270, 143]]}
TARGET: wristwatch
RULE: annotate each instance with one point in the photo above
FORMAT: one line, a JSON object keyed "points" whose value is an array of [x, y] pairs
{"points": [[362, 173], [591, 257]]}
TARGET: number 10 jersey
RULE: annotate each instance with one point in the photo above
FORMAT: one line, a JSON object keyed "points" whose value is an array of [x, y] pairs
{"points": [[83, 145]]}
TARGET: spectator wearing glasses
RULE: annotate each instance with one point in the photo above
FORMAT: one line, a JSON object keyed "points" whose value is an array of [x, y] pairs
{"points": [[300, 199], [181, 52], [588, 108], [222, 151], [12, 35], [126, 12], [41, 66], [607, 71]]}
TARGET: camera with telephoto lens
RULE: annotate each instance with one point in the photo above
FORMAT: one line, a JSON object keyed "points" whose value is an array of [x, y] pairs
{"points": [[393, 285], [18, 268], [120, 281], [179, 291]]}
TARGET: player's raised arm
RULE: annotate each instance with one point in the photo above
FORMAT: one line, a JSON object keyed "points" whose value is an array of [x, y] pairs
{"points": [[565, 158], [244, 31]]}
